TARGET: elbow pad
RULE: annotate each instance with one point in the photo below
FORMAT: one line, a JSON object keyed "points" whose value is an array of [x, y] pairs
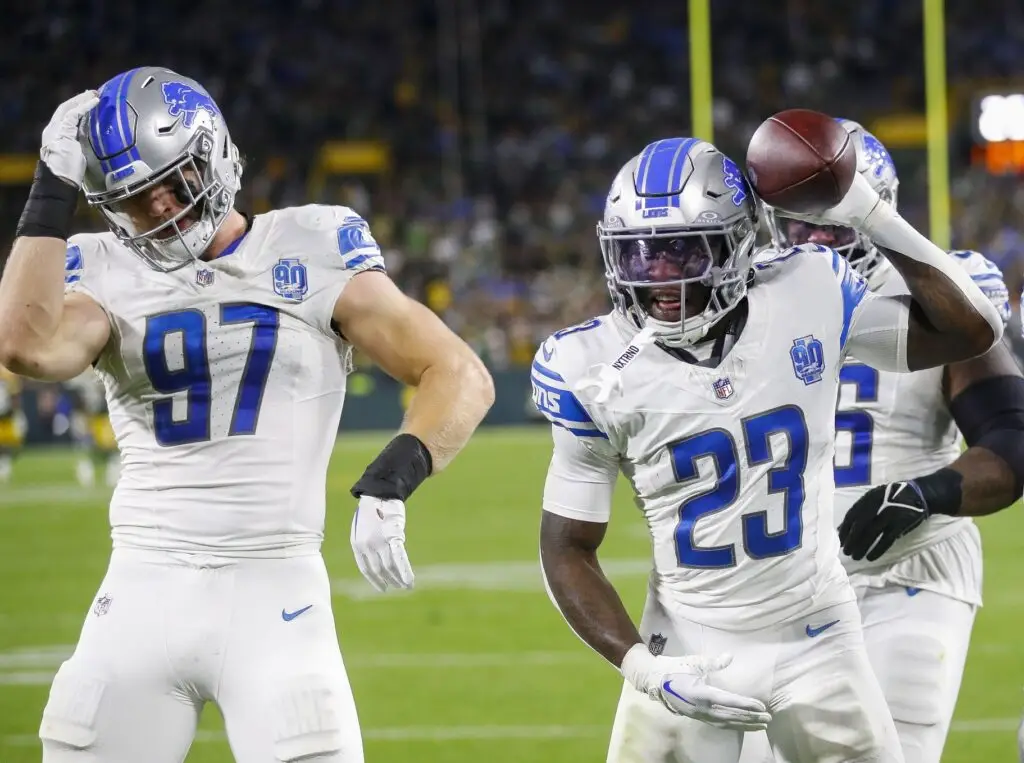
{"points": [[990, 415]]}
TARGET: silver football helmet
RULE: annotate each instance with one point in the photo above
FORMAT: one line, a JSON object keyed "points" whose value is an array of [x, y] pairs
{"points": [[154, 127], [875, 164], [677, 238]]}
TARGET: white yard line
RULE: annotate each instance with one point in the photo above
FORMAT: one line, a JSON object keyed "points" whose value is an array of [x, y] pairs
{"points": [[36, 667], [489, 732], [60, 495], [485, 576]]}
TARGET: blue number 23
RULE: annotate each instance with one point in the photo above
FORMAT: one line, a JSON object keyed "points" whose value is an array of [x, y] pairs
{"points": [[787, 479], [193, 376]]}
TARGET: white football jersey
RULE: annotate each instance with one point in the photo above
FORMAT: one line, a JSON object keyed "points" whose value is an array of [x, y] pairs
{"points": [[225, 382], [90, 391], [892, 427], [731, 465]]}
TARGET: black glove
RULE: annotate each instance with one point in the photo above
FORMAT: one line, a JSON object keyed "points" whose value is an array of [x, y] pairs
{"points": [[880, 516]]}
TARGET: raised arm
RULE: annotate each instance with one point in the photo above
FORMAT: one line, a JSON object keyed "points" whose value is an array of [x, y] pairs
{"points": [[945, 319], [43, 333]]}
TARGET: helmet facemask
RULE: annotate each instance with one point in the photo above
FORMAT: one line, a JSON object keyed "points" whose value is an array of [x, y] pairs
{"points": [[680, 281], [171, 244]]}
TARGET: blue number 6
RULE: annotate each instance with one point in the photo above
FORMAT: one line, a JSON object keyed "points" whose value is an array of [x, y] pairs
{"points": [[193, 375], [859, 424], [787, 479]]}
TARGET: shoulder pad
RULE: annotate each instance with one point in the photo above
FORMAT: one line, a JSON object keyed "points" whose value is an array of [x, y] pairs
{"points": [[988, 277], [559, 362], [87, 256], [770, 261], [821, 262], [335, 230]]}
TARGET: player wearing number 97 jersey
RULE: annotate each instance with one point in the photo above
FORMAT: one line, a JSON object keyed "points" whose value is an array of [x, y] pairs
{"points": [[223, 343], [711, 386], [905, 491]]}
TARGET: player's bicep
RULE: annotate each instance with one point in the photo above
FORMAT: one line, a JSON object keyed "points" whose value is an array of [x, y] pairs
{"points": [[399, 334], [581, 478], [83, 332]]}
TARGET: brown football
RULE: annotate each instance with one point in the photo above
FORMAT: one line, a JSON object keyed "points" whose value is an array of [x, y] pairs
{"points": [[801, 161]]}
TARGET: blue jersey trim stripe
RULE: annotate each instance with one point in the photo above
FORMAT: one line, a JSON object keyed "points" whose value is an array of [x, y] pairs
{"points": [[230, 248], [547, 372], [582, 432], [360, 259], [853, 289]]}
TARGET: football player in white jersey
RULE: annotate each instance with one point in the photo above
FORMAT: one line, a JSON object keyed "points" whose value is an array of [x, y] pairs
{"points": [[224, 344], [904, 490], [712, 386]]}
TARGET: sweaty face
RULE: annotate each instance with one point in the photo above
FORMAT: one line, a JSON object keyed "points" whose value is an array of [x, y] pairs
{"points": [[156, 205], [834, 236], [683, 265]]}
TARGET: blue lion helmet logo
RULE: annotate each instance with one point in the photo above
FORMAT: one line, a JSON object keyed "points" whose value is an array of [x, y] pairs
{"points": [[184, 100]]}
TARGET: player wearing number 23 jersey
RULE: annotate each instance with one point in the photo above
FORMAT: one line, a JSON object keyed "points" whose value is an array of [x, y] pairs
{"points": [[223, 343], [712, 386]]}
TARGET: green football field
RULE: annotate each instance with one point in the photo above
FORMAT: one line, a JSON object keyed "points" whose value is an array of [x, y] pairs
{"points": [[475, 664]]}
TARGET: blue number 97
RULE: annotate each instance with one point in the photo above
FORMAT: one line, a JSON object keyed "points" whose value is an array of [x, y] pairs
{"points": [[192, 375]]}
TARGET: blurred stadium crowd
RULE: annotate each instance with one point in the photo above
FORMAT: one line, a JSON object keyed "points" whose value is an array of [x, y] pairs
{"points": [[504, 128]]}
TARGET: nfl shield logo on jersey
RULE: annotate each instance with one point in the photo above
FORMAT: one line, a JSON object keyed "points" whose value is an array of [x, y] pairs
{"points": [[657, 644], [204, 277], [102, 606], [723, 389], [808, 358], [290, 280]]}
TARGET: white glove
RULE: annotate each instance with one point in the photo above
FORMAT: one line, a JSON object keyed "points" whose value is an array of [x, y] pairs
{"points": [[680, 684], [378, 542], [854, 209], [60, 150]]}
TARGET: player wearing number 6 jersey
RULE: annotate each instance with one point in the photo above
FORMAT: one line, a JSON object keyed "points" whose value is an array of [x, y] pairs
{"points": [[711, 386], [224, 343], [905, 492]]}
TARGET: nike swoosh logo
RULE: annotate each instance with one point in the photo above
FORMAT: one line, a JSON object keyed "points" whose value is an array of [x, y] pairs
{"points": [[289, 616], [667, 688], [911, 591], [812, 632], [548, 354]]}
